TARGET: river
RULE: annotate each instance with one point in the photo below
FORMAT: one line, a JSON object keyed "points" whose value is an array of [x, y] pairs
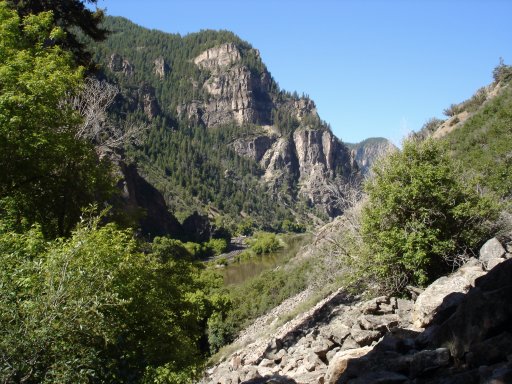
{"points": [[238, 272]]}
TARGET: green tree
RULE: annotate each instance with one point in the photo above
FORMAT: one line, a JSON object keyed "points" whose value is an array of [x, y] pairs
{"points": [[419, 214], [47, 175], [70, 15], [95, 308]]}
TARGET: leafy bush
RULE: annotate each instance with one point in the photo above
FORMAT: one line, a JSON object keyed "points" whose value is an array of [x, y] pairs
{"points": [[418, 214], [95, 308], [290, 226], [502, 73], [265, 242], [216, 246]]}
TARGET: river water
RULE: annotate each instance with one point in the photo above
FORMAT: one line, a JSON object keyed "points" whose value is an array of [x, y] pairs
{"points": [[238, 272]]}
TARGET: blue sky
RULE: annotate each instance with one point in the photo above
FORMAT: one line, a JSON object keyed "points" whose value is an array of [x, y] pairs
{"points": [[373, 68]]}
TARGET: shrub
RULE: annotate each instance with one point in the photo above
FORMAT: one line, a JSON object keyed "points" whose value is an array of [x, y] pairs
{"points": [[290, 226], [216, 246], [265, 242], [419, 213]]}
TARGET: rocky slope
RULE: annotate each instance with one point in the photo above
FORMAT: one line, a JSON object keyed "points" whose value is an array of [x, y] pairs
{"points": [[368, 151], [458, 330]]}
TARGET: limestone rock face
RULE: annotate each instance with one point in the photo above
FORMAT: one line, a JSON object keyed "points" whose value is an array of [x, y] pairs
{"points": [[118, 64], [235, 92], [161, 67], [149, 102], [314, 159], [369, 151], [254, 148], [302, 164]]}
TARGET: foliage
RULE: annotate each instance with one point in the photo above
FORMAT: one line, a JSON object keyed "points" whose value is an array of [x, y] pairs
{"points": [[292, 226], [93, 307], [47, 175], [418, 214], [502, 73], [265, 291], [217, 246], [264, 242], [484, 145], [68, 15]]}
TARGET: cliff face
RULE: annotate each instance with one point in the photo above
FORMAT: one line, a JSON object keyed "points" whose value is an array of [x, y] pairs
{"points": [[145, 201], [235, 92], [368, 151], [214, 80], [302, 163]]}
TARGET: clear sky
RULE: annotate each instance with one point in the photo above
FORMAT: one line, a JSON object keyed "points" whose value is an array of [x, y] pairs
{"points": [[373, 68]]}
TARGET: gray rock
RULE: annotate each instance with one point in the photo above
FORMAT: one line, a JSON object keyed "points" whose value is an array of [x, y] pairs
{"points": [[340, 361], [249, 372], [491, 263], [336, 331], [331, 353], [321, 346], [444, 294], [349, 343], [311, 361], [379, 323], [364, 338], [266, 363], [492, 249], [373, 306]]}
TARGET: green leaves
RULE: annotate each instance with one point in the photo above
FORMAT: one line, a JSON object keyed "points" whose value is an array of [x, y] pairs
{"points": [[419, 214], [47, 175], [95, 306]]}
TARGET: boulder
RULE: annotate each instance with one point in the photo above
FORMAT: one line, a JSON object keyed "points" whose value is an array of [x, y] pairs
{"points": [[340, 362], [485, 312], [363, 337], [492, 249], [378, 323], [441, 297]]}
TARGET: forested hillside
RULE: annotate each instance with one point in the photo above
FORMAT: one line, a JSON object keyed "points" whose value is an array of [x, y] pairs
{"points": [[221, 137]]}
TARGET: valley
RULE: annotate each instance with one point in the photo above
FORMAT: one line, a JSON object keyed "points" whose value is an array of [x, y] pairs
{"points": [[169, 214]]}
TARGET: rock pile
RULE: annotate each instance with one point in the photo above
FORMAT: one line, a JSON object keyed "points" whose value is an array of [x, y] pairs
{"points": [[459, 330]]}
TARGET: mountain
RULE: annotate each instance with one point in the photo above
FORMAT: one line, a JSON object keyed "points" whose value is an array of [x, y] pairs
{"points": [[368, 151], [223, 139]]}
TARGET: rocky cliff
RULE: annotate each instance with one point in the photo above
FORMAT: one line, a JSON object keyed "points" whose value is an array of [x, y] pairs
{"points": [[368, 151], [235, 93], [302, 163], [202, 85], [146, 204]]}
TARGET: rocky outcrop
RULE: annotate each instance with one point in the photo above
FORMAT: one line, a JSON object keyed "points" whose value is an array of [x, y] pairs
{"points": [[146, 203], [148, 101], [445, 293], [368, 151], [254, 147], [313, 159], [161, 67], [468, 340], [197, 228], [235, 92], [118, 64]]}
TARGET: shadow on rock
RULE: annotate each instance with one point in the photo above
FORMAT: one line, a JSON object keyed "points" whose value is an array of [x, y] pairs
{"points": [[470, 342]]}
